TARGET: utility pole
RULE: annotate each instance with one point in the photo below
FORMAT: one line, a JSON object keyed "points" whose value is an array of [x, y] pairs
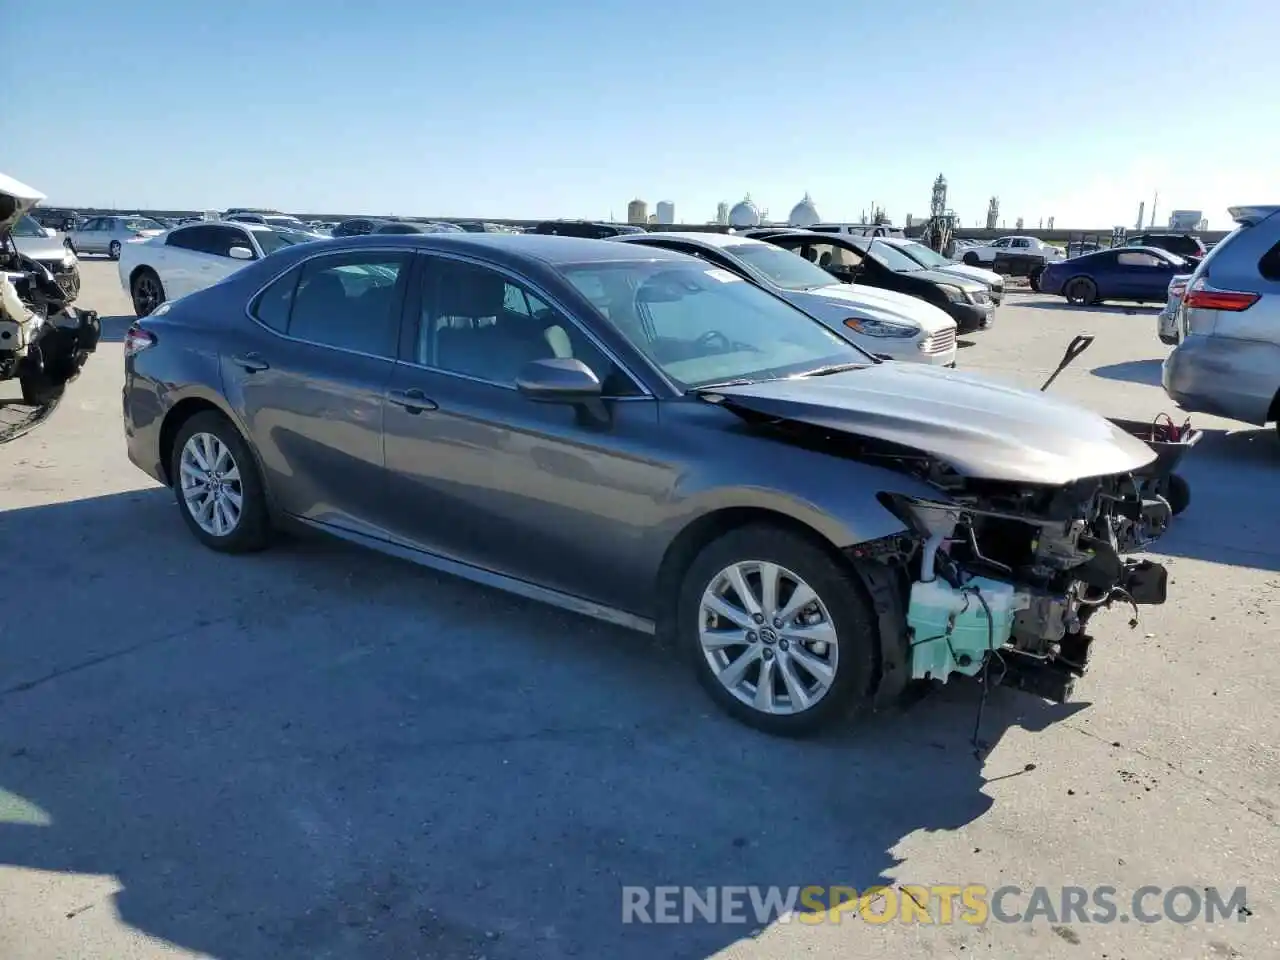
{"points": [[1154, 201]]}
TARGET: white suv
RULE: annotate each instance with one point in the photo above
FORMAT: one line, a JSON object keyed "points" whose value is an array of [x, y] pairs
{"points": [[1017, 246]]}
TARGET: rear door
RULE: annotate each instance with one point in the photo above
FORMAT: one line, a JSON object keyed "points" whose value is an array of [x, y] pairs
{"points": [[92, 237], [309, 381]]}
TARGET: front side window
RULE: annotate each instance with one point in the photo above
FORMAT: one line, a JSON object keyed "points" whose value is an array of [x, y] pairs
{"points": [[27, 227], [703, 325], [478, 323], [1138, 258], [1021, 244], [138, 224], [1002, 243], [781, 266], [349, 301], [197, 239]]}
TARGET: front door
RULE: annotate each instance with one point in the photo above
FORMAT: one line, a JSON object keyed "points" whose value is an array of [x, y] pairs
{"points": [[547, 493], [1142, 275], [309, 381]]}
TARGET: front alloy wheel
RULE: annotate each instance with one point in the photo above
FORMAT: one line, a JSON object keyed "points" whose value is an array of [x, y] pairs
{"points": [[768, 637], [779, 628]]}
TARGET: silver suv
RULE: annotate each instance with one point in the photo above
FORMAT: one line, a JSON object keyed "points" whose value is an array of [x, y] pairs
{"points": [[1228, 361]]}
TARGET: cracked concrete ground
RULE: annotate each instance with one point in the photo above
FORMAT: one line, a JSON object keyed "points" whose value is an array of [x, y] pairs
{"points": [[322, 753]]}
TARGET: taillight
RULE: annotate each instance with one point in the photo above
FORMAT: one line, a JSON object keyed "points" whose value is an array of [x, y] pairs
{"points": [[1198, 298], [137, 340]]}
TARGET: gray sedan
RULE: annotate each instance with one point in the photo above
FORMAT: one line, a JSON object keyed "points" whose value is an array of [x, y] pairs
{"points": [[109, 234], [633, 434]]}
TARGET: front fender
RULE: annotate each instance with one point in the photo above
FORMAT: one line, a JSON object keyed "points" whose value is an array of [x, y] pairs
{"points": [[841, 505]]}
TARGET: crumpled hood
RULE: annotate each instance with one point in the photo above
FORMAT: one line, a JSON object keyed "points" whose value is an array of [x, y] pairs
{"points": [[983, 429], [841, 300], [16, 198]]}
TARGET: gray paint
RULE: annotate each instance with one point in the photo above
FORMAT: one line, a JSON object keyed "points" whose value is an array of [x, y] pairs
{"points": [[548, 499]]}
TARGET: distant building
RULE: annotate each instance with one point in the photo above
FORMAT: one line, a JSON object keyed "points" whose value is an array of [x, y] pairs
{"points": [[722, 213], [1184, 220], [744, 213], [666, 211], [638, 212], [804, 214]]}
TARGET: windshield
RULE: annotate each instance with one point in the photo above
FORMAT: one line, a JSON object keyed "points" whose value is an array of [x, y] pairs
{"points": [[703, 325], [274, 239], [143, 223], [923, 255], [887, 255], [788, 270], [27, 227]]}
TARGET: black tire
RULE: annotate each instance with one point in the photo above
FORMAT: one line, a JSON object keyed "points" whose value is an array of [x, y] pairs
{"points": [[253, 531], [1034, 278], [1080, 291], [840, 591], [144, 300], [113, 251], [1177, 491], [40, 390], [971, 259]]}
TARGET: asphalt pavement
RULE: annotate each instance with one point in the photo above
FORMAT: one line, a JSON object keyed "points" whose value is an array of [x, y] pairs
{"points": [[318, 752]]}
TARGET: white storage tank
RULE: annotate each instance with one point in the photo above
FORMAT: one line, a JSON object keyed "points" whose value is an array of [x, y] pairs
{"points": [[744, 214], [804, 213], [666, 211]]}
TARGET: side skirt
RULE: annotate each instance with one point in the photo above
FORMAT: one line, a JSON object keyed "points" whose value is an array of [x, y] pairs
{"points": [[487, 578]]}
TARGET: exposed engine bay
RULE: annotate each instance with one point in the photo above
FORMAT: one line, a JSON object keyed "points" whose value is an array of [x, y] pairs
{"points": [[1001, 574], [44, 342]]}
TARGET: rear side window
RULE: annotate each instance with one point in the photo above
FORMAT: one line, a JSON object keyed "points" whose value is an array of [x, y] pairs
{"points": [[350, 301], [1139, 258]]}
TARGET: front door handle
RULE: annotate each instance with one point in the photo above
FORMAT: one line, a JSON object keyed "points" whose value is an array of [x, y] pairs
{"points": [[251, 362], [413, 400]]}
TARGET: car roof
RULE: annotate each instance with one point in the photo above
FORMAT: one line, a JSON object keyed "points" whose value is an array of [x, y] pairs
{"points": [[705, 238], [548, 248]]}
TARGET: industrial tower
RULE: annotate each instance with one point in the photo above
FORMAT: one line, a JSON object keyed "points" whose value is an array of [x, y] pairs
{"points": [[942, 220]]}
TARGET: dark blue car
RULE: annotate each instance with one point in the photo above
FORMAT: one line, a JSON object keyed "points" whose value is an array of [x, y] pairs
{"points": [[1126, 273]]}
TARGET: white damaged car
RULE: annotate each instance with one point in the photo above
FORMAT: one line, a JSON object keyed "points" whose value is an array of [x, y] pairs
{"points": [[44, 342]]}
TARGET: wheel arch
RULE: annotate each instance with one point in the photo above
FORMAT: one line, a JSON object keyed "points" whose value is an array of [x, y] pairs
{"points": [[710, 526]]}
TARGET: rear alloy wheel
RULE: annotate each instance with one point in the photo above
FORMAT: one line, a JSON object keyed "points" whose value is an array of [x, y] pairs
{"points": [[148, 293], [217, 485], [1080, 291], [971, 259], [779, 631], [113, 251]]}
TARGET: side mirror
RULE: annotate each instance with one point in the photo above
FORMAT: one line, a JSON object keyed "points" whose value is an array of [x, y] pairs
{"points": [[558, 380], [240, 253]]}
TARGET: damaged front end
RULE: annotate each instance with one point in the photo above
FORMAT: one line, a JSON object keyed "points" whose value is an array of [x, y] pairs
{"points": [[1014, 572], [44, 342], [1038, 506]]}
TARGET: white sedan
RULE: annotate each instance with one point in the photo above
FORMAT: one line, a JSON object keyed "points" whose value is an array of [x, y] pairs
{"points": [[1017, 246], [195, 256]]}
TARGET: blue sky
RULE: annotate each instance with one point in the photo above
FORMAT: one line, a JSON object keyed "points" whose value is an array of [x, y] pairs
{"points": [[534, 108]]}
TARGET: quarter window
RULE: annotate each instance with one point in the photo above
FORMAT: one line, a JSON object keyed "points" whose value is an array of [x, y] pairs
{"points": [[273, 304]]}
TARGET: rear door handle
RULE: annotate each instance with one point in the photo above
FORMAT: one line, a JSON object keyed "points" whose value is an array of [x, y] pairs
{"points": [[414, 400], [251, 362]]}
